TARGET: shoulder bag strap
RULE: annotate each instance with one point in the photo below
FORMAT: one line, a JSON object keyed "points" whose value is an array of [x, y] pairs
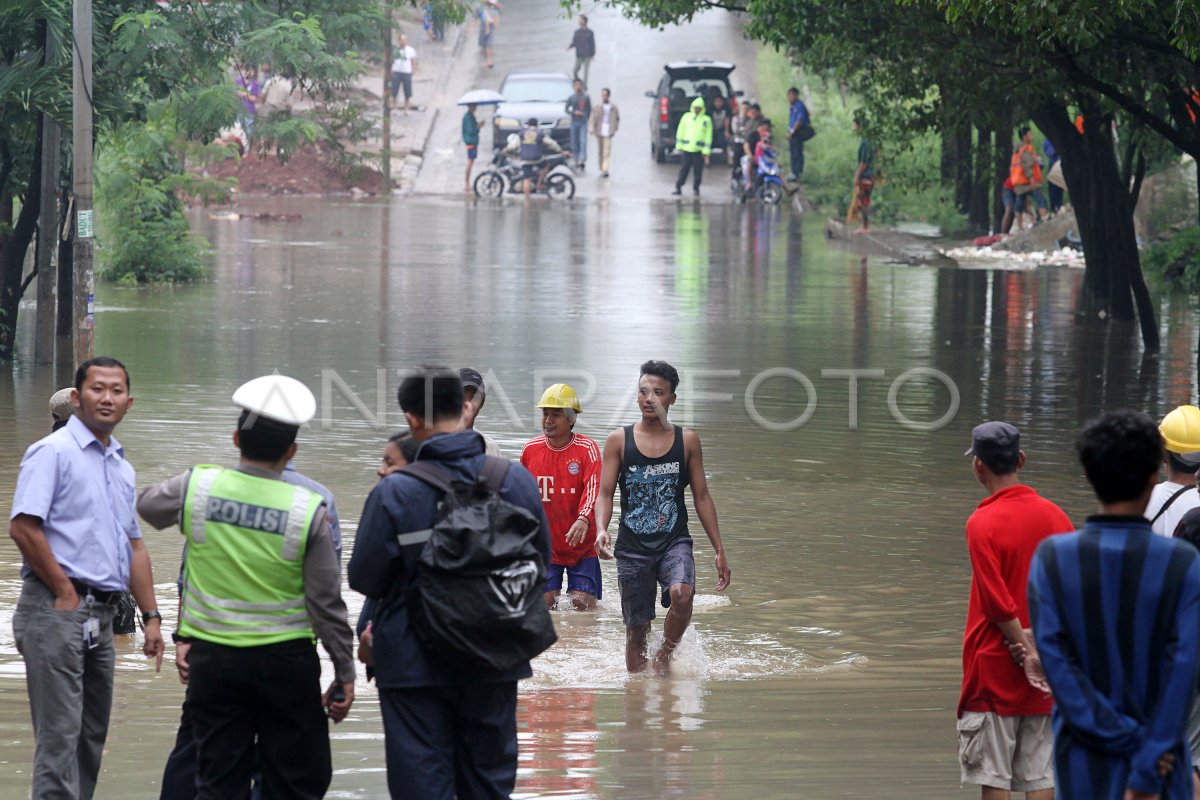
{"points": [[1167, 504]]}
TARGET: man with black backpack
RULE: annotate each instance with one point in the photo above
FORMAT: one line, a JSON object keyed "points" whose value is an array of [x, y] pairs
{"points": [[454, 548]]}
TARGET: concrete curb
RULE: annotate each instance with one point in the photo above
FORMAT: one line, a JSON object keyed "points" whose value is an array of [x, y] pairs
{"points": [[416, 158]]}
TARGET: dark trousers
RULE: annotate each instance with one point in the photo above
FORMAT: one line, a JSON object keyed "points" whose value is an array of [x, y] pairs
{"points": [[272, 693], [451, 741], [694, 162], [179, 776], [797, 152]]}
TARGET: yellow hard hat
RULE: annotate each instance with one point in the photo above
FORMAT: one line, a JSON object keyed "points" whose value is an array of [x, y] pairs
{"points": [[1181, 430], [562, 396]]}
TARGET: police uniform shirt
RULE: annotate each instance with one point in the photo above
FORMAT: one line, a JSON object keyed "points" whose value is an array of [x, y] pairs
{"points": [[161, 506]]}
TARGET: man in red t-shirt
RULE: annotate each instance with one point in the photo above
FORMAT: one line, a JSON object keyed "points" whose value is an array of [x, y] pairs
{"points": [[1005, 741], [567, 468]]}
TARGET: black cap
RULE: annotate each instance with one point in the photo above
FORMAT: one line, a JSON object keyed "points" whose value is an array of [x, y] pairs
{"points": [[996, 444], [471, 379]]}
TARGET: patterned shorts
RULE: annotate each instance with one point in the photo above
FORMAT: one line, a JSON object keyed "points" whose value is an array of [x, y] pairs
{"points": [[641, 576]]}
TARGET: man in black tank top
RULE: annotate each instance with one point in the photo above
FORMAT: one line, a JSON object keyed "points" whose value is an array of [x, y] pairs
{"points": [[652, 461]]}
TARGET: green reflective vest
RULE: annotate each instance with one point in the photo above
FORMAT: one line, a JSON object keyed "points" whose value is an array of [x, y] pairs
{"points": [[694, 133], [243, 575]]}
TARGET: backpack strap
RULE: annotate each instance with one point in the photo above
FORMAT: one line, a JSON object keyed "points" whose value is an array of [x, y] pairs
{"points": [[493, 473], [430, 474], [1167, 504], [435, 477]]}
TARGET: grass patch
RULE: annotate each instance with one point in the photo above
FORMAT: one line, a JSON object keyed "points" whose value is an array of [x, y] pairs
{"points": [[908, 187], [1175, 262]]}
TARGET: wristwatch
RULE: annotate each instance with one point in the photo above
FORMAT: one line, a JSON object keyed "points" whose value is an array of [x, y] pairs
{"points": [[149, 615], [176, 638]]}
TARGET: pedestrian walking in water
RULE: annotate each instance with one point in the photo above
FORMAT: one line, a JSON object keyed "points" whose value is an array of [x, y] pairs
{"points": [[1177, 495], [450, 724], [179, 773], [1116, 621], [73, 521], [474, 396], [399, 451], [566, 466], [605, 119], [584, 43], [652, 461], [470, 137], [261, 583], [1004, 736], [61, 409], [579, 107], [693, 140]]}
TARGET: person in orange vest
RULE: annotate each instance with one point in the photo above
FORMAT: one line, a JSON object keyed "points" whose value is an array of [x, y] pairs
{"points": [[1026, 176]]}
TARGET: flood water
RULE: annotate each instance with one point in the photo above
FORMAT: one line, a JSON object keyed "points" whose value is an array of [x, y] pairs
{"points": [[831, 665]]}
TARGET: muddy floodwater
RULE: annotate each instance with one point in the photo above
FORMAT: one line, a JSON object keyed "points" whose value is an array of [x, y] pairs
{"points": [[834, 398]]}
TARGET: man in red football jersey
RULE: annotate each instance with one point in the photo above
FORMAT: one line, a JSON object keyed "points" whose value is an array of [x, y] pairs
{"points": [[567, 468]]}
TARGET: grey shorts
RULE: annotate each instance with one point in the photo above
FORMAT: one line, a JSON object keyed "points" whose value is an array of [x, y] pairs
{"points": [[640, 576], [1014, 753]]}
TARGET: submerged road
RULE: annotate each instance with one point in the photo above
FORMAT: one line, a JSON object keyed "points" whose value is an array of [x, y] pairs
{"points": [[532, 37]]}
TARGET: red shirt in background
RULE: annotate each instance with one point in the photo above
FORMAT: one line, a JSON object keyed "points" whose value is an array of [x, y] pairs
{"points": [[569, 481], [1001, 536]]}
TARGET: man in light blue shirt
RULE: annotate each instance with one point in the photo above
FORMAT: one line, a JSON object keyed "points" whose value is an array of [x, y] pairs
{"points": [[73, 520]]}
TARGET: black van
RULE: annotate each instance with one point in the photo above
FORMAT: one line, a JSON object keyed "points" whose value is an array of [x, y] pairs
{"points": [[681, 83]]}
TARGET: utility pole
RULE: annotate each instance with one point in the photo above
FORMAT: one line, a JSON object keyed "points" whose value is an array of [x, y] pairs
{"points": [[81, 117], [47, 238], [387, 114]]}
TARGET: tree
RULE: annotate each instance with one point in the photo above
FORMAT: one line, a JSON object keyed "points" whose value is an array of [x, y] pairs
{"points": [[164, 67]]}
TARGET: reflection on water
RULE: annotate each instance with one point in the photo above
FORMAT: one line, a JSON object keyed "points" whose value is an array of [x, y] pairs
{"points": [[841, 631]]}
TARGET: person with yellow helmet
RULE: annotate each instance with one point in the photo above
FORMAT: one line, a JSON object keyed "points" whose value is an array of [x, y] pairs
{"points": [[1176, 496], [693, 140], [567, 466]]}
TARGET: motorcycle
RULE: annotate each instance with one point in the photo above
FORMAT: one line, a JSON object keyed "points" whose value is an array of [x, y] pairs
{"points": [[506, 175], [768, 184]]}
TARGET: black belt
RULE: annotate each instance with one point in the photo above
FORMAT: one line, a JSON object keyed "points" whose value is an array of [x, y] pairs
{"points": [[105, 597]]}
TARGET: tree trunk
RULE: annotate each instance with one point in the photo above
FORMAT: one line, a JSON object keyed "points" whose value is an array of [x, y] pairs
{"points": [[1001, 156], [1112, 279], [12, 257], [962, 167], [981, 185]]}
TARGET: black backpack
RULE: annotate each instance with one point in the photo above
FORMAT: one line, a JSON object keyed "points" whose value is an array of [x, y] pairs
{"points": [[480, 576]]}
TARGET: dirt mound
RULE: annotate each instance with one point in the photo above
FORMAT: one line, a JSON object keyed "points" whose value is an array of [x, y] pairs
{"points": [[311, 170]]}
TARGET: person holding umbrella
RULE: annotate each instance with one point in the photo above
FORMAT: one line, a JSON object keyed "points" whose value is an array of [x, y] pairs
{"points": [[470, 125], [470, 137]]}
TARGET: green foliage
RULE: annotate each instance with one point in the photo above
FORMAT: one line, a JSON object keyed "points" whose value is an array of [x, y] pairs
{"points": [[144, 235], [911, 190], [1176, 261]]}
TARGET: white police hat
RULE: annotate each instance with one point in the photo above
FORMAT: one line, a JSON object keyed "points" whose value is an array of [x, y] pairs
{"points": [[278, 398]]}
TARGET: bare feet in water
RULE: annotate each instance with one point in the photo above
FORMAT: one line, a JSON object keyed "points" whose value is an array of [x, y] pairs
{"points": [[662, 659]]}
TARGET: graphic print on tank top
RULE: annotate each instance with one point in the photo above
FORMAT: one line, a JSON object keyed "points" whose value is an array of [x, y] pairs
{"points": [[653, 514], [652, 506]]}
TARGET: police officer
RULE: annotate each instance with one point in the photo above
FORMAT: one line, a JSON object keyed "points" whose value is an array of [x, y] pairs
{"points": [[693, 140], [260, 582]]}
